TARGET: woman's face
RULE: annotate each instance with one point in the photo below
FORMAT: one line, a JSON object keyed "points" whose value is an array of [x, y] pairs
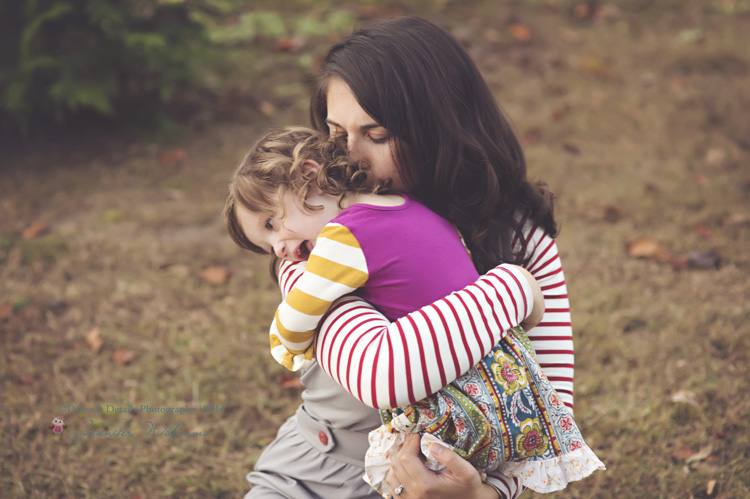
{"points": [[366, 139]]}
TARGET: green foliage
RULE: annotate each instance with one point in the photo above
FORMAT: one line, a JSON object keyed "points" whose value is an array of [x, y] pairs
{"points": [[115, 58], [275, 25]]}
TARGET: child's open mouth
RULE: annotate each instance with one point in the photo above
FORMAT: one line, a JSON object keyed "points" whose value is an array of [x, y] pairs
{"points": [[303, 250]]}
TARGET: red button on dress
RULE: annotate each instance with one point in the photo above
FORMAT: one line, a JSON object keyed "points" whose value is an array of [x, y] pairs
{"points": [[323, 438]]}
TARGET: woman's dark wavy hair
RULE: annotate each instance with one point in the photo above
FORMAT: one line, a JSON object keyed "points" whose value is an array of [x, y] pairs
{"points": [[454, 148]]}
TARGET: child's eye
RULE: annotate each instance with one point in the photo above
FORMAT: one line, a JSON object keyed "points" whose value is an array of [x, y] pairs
{"points": [[269, 223]]}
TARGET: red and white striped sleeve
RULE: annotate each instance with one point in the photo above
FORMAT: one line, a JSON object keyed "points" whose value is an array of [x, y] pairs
{"points": [[552, 338], [387, 364], [505, 486]]}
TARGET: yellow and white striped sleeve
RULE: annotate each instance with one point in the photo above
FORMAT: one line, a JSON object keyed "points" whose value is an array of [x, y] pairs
{"points": [[336, 267]]}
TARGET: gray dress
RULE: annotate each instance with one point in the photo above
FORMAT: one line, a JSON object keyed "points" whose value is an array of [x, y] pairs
{"points": [[319, 451]]}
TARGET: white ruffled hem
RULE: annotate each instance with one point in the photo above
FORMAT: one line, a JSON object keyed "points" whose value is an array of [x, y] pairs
{"points": [[554, 474], [541, 476]]}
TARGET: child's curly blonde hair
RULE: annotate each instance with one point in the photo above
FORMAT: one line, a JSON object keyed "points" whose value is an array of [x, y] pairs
{"points": [[276, 165]]}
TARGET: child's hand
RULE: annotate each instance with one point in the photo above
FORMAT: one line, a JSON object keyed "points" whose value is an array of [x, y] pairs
{"points": [[537, 312]]}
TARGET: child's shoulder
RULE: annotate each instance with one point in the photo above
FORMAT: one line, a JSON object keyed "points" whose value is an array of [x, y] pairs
{"points": [[379, 200]]}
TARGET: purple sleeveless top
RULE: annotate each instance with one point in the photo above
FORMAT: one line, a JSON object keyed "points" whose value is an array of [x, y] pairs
{"points": [[414, 256]]}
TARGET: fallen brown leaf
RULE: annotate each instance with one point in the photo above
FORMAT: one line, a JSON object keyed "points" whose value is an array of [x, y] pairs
{"points": [[682, 453], [645, 247], [520, 32], [123, 356], [285, 44], [94, 340], [700, 455], [6, 310], [216, 274], [173, 157], [36, 229]]}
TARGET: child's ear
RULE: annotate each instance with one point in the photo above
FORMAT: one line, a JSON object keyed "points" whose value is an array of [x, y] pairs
{"points": [[310, 170]]}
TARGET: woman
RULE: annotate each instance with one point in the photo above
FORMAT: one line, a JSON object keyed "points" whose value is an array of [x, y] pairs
{"points": [[408, 100]]}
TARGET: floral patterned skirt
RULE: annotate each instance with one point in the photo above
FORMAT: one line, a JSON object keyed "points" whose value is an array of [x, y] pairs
{"points": [[502, 414]]}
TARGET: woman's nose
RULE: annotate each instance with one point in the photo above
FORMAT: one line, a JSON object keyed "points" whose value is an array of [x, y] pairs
{"points": [[351, 147]]}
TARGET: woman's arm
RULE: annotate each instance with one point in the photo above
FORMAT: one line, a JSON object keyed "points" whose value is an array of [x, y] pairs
{"points": [[387, 364], [552, 338]]}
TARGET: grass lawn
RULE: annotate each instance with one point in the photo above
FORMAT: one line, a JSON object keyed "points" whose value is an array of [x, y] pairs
{"points": [[119, 287]]}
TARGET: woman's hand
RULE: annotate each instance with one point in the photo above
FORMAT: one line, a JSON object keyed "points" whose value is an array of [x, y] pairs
{"points": [[459, 480]]}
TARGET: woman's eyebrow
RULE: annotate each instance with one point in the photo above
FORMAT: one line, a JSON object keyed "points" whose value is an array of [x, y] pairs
{"points": [[363, 127]]}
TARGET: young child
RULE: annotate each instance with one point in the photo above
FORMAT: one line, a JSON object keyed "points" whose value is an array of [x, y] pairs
{"points": [[297, 195]]}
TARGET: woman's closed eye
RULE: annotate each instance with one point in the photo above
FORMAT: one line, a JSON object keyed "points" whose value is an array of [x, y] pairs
{"points": [[378, 137], [269, 223], [379, 140]]}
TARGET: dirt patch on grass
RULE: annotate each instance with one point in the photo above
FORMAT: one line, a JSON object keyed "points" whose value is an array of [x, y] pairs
{"points": [[635, 114]]}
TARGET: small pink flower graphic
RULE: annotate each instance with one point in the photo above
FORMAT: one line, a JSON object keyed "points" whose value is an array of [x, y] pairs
{"points": [[575, 444], [472, 390], [566, 423], [555, 400]]}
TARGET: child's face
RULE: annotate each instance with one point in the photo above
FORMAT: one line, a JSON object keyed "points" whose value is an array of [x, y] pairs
{"points": [[290, 232]]}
